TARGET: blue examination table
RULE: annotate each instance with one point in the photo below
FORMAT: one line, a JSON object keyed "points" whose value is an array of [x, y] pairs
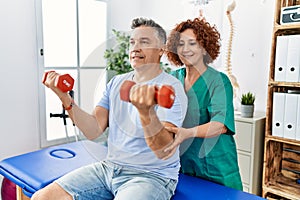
{"points": [[35, 170]]}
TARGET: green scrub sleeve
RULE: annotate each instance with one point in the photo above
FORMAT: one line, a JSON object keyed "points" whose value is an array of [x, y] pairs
{"points": [[221, 107]]}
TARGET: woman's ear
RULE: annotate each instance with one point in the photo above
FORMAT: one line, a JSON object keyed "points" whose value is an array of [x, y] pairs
{"points": [[204, 52]]}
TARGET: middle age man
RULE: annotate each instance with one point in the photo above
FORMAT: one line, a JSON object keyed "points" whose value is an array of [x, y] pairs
{"points": [[134, 167]]}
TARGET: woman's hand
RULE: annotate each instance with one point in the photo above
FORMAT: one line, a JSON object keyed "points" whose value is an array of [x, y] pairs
{"points": [[181, 134]]}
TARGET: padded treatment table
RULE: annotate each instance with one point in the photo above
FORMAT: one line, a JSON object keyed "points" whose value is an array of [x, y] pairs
{"points": [[193, 188], [33, 171]]}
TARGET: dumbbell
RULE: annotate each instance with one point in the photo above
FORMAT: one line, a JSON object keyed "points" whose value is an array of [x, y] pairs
{"points": [[164, 95], [63, 82]]}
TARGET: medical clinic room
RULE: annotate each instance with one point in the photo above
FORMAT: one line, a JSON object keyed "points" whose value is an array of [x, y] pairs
{"points": [[150, 100]]}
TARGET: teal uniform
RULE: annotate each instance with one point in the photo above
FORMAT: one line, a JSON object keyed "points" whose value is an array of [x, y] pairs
{"points": [[215, 159]]}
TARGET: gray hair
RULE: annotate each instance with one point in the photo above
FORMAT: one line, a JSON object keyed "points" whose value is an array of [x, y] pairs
{"points": [[137, 22]]}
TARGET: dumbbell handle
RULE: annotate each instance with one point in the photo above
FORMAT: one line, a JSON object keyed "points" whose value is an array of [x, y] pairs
{"points": [[164, 95], [63, 82]]}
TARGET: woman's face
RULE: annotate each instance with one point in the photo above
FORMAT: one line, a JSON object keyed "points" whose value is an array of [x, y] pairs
{"points": [[189, 50]]}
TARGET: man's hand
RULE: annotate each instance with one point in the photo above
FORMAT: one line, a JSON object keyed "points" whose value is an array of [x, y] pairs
{"points": [[50, 82], [142, 97]]}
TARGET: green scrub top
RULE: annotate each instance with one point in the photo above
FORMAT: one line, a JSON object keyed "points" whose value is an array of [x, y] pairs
{"points": [[215, 159]]}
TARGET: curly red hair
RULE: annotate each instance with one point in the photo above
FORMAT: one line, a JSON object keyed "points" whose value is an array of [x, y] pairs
{"points": [[206, 35]]}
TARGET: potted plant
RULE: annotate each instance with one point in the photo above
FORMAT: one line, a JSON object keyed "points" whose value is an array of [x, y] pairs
{"points": [[117, 58], [247, 104]]}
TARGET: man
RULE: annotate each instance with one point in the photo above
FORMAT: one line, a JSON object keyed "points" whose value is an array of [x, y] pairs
{"points": [[134, 167]]}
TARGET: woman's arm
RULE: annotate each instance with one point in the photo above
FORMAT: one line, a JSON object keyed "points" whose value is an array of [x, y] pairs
{"points": [[208, 130]]}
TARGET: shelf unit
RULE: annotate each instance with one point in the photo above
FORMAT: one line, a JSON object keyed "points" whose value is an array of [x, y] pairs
{"points": [[281, 156]]}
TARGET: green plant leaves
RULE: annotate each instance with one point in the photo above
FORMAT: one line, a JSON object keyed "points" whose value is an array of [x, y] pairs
{"points": [[248, 99], [117, 58]]}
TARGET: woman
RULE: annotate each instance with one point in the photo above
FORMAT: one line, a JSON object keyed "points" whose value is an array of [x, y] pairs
{"points": [[208, 149]]}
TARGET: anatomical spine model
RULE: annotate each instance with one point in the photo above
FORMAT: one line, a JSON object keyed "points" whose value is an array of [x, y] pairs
{"points": [[228, 68]]}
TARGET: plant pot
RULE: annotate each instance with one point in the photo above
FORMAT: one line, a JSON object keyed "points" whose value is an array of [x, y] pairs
{"points": [[247, 110]]}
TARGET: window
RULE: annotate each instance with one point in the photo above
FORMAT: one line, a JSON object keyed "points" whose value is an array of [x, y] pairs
{"points": [[71, 39]]}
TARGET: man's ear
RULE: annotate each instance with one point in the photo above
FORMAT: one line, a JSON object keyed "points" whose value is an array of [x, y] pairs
{"points": [[162, 50]]}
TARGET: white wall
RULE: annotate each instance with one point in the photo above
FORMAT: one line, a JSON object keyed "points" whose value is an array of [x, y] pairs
{"points": [[19, 115], [169, 13], [252, 46], [18, 82], [122, 12]]}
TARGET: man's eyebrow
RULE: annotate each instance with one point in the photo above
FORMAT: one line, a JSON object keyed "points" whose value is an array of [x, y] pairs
{"points": [[145, 38], [142, 38]]}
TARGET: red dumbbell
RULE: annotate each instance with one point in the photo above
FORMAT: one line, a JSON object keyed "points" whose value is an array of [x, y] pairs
{"points": [[164, 95], [63, 82]]}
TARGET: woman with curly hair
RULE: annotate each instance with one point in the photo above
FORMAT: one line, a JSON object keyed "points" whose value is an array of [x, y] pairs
{"points": [[207, 145]]}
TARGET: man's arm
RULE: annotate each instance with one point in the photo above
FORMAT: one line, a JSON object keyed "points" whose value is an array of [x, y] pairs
{"points": [[156, 136], [92, 125]]}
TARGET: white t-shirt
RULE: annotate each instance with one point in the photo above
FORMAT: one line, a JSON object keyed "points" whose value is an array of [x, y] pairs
{"points": [[126, 142]]}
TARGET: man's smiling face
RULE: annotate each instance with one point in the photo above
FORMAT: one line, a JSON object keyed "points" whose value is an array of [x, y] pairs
{"points": [[145, 47]]}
